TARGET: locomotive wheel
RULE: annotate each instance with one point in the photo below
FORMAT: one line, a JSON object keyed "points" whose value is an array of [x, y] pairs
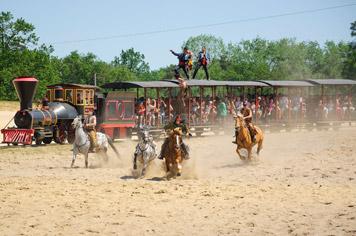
{"points": [[71, 138], [38, 141], [47, 140], [62, 136]]}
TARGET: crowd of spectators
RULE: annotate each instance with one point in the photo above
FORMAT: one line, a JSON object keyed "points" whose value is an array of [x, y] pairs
{"points": [[281, 108]]}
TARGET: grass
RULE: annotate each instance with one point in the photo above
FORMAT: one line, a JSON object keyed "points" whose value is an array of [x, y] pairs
{"points": [[9, 105]]}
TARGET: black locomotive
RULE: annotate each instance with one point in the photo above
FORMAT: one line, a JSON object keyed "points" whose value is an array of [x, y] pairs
{"points": [[52, 121]]}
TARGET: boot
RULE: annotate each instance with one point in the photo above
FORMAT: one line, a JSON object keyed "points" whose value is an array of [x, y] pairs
{"points": [[163, 149], [253, 138], [235, 137], [135, 164]]}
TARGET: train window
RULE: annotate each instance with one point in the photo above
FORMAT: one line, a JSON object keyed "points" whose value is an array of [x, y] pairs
{"points": [[111, 110], [91, 96], [80, 97], [48, 95], [69, 95], [87, 97], [129, 109], [58, 93]]}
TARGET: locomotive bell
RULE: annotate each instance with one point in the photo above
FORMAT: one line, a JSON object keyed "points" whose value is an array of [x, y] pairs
{"points": [[25, 89]]}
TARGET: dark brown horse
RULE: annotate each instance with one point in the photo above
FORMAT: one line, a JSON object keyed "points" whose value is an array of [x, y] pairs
{"points": [[173, 155], [243, 137]]}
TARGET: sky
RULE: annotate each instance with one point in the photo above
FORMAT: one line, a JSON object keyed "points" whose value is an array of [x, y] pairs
{"points": [[63, 24]]}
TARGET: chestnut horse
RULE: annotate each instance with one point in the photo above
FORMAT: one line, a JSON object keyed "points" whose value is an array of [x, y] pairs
{"points": [[173, 155], [243, 138]]}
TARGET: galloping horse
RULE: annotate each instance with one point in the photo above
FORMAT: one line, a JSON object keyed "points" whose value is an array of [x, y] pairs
{"points": [[82, 143], [243, 138], [145, 150], [173, 155]]}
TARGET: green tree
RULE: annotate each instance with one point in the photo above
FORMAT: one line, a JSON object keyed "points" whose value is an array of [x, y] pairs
{"points": [[349, 70], [134, 61], [215, 46], [20, 56], [16, 34]]}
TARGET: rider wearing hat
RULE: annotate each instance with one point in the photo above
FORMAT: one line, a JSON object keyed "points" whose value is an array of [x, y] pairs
{"points": [[246, 112], [89, 126], [177, 123]]}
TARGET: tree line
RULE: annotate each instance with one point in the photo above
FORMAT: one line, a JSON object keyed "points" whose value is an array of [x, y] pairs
{"points": [[256, 59]]}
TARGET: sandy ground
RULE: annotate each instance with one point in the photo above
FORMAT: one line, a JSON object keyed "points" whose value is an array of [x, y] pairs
{"points": [[7, 111], [303, 183]]}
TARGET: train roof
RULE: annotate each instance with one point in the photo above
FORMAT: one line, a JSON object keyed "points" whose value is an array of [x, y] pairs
{"points": [[70, 85], [287, 83], [140, 84], [332, 81], [236, 83], [201, 83]]}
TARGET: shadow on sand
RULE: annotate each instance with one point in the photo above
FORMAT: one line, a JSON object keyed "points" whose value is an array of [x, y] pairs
{"points": [[130, 177]]}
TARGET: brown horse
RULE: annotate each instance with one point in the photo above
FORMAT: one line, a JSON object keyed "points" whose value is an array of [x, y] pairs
{"points": [[243, 138], [173, 155]]}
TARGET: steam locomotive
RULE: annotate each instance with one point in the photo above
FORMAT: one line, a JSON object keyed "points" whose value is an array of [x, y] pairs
{"points": [[64, 102]]}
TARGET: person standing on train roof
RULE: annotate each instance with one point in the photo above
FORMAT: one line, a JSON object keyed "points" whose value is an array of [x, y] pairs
{"points": [[89, 126], [203, 61], [183, 63]]}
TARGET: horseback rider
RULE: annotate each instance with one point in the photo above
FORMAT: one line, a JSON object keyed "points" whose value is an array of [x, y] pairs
{"points": [[203, 61], [89, 126], [177, 123], [144, 138], [184, 63], [246, 112]]}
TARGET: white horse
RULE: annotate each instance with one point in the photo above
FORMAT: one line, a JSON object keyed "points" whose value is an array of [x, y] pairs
{"points": [[82, 143], [145, 152]]}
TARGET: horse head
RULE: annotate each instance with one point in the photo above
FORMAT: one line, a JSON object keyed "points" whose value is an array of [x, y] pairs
{"points": [[177, 137], [239, 121], [145, 134], [77, 122]]}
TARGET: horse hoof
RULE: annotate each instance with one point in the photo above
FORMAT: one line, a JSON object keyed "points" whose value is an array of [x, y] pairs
{"points": [[179, 174], [135, 167]]}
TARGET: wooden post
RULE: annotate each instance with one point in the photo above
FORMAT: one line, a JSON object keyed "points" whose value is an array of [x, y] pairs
{"points": [[289, 104], [275, 101], [349, 102], [145, 95], [256, 106], [157, 107], [201, 103], [169, 103], [213, 89], [189, 100]]}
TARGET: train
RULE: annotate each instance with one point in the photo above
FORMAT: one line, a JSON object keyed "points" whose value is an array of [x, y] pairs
{"points": [[51, 122], [115, 105]]}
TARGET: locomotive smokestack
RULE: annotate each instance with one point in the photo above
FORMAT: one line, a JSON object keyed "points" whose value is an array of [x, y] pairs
{"points": [[25, 89]]}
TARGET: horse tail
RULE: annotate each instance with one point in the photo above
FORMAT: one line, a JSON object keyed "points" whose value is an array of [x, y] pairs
{"points": [[111, 143]]}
